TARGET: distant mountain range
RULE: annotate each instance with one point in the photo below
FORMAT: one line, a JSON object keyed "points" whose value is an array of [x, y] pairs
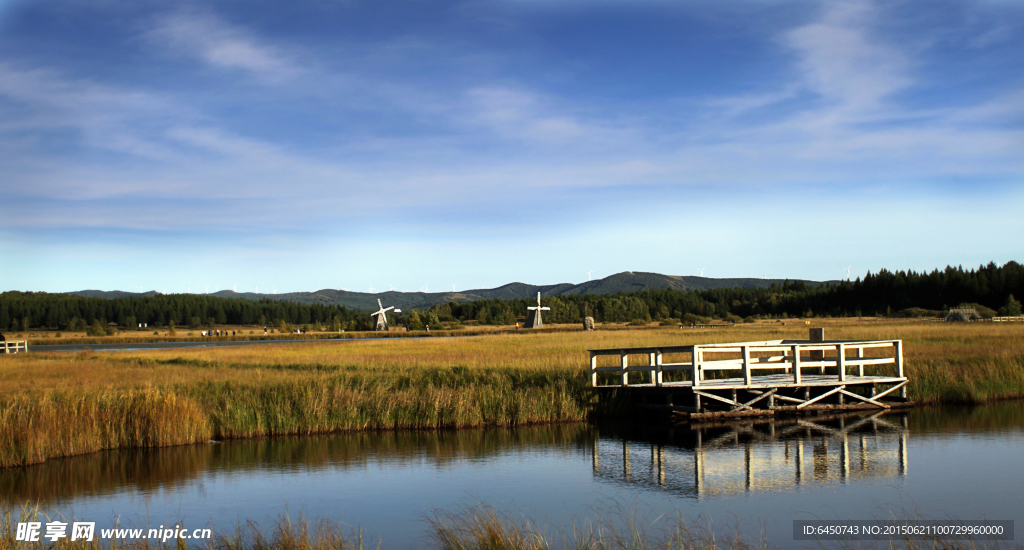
{"points": [[627, 281]]}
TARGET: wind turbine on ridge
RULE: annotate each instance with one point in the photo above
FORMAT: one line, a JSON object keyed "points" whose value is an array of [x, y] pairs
{"points": [[702, 271], [847, 268], [589, 272]]}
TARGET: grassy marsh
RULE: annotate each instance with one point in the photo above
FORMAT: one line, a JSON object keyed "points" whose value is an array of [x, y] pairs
{"points": [[63, 404]]}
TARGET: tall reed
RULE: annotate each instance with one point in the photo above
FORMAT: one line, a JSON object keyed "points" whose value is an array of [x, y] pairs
{"points": [[61, 404], [475, 528]]}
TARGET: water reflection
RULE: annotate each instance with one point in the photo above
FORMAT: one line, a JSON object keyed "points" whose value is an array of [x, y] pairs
{"points": [[764, 454], [775, 470], [148, 471], [700, 460]]}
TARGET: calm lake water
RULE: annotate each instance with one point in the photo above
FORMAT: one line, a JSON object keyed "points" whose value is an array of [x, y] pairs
{"points": [[952, 462]]}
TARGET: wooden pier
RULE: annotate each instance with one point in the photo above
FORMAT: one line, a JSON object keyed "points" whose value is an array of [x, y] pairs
{"points": [[13, 346], [756, 378]]}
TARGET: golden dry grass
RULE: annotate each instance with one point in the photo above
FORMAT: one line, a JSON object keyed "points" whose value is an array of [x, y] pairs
{"points": [[60, 404]]}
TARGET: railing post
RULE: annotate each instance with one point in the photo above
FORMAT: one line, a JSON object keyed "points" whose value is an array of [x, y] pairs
{"points": [[746, 365], [657, 363], [624, 362], [653, 373], [696, 366], [899, 365], [899, 357], [593, 369], [858, 355], [841, 361], [796, 364]]}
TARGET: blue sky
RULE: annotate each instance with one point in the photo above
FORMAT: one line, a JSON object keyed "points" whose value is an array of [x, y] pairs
{"points": [[294, 146]]}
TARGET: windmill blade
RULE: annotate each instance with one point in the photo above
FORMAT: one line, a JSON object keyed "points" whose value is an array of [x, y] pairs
{"points": [[398, 311]]}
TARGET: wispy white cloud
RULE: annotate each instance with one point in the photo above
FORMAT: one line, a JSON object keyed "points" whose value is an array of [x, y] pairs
{"points": [[220, 44], [104, 120], [844, 126], [844, 62], [524, 114]]}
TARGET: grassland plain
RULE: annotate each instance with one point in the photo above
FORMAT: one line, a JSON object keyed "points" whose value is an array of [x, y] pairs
{"points": [[62, 404]]}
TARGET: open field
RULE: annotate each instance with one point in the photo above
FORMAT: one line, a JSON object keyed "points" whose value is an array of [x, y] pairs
{"points": [[64, 404]]}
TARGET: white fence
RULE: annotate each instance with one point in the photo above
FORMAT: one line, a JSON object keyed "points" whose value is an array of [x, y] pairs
{"points": [[14, 346]]}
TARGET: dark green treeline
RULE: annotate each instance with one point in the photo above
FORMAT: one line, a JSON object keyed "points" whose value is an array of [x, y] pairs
{"points": [[25, 310], [883, 293]]}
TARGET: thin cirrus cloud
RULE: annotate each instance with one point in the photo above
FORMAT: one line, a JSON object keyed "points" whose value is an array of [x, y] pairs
{"points": [[207, 37], [210, 118], [841, 62]]}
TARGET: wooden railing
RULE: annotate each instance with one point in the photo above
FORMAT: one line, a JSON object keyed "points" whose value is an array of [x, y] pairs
{"points": [[789, 356], [14, 346]]}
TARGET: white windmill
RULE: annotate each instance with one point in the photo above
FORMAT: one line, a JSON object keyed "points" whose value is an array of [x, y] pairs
{"points": [[847, 268], [424, 289], [453, 286], [381, 315], [372, 290], [589, 273], [533, 320], [702, 271]]}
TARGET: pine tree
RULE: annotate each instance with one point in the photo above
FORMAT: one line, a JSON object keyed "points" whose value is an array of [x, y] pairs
{"points": [[1012, 307]]}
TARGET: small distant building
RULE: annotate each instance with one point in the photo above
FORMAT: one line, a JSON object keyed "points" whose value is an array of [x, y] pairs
{"points": [[962, 314]]}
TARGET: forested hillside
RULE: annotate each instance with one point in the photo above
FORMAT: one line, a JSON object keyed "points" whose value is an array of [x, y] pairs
{"points": [[627, 281], [884, 293]]}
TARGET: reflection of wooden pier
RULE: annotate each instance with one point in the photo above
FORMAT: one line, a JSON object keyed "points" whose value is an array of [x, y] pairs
{"points": [[760, 454], [13, 346], [754, 378]]}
